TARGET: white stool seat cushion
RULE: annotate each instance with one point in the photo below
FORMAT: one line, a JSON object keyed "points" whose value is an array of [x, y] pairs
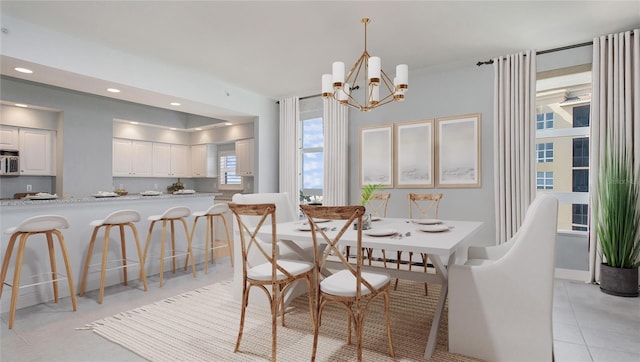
{"points": [[172, 213], [263, 271], [216, 209], [343, 283], [40, 223], [118, 217]]}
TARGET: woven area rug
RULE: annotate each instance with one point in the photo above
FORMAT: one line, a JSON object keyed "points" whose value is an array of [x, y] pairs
{"points": [[202, 325]]}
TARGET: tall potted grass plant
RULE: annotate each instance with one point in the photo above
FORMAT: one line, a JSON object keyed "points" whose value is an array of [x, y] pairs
{"points": [[617, 223]]}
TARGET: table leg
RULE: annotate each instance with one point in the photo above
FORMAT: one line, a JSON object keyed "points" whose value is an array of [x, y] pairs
{"points": [[444, 288]]}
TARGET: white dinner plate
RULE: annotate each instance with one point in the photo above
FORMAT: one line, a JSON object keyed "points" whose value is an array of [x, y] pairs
{"points": [[376, 218], [380, 232], [41, 197], [104, 194], [427, 221], [151, 193], [434, 228]]}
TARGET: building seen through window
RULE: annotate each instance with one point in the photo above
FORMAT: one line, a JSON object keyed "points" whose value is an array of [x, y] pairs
{"points": [[563, 102]]}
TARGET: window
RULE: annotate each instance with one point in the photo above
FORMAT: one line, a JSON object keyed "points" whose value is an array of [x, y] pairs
{"points": [[227, 178], [544, 120], [311, 144], [581, 152], [544, 152], [580, 213], [544, 181], [563, 102]]}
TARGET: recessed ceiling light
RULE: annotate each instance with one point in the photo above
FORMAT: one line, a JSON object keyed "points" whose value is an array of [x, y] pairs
{"points": [[228, 123], [113, 90], [173, 128], [23, 70], [175, 104], [134, 122], [198, 129], [21, 105]]}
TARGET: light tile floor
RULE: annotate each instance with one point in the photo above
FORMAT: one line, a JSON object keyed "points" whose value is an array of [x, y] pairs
{"points": [[588, 324]]}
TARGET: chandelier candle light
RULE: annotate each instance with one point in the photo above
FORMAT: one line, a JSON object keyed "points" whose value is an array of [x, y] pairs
{"points": [[367, 68]]}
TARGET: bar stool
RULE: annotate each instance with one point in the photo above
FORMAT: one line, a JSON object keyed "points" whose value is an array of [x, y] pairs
{"points": [[177, 213], [44, 224], [120, 219], [215, 211]]}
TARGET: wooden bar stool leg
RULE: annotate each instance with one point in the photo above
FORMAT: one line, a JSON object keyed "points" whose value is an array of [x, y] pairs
{"points": [[123, 247], [208, 245], [87, 262], [52, 260], [173, 246], [143, 276], [229, 243], [193, 230], [5, 262], [211, 235], [16, 279], [146, 248], [67, 264], [164, 231], [103, 269], [189, 250]]}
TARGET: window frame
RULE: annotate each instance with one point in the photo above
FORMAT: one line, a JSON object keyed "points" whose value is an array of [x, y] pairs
{"points": [[221, 172]]}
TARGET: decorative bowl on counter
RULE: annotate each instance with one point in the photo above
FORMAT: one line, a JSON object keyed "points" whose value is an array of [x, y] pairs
{"points": [[151, 193], [184, 192], [122, 192]]}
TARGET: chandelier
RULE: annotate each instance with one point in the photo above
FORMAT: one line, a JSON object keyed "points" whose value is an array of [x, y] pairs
{"points": [[368, 73]]}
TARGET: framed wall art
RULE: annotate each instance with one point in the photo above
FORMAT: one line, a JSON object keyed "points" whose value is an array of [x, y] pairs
{"points": [[414, 154], [376, 155], [458, 151]]}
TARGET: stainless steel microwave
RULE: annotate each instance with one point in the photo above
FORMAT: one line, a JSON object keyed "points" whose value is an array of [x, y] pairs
{"points": [[9, 163]]}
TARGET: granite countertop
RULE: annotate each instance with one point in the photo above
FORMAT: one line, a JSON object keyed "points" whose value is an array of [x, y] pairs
{"points": [[22, 202]]}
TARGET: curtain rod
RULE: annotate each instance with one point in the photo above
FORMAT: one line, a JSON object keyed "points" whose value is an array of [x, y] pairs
{"points": [[545, 51], [551, 50], [305, 97]]}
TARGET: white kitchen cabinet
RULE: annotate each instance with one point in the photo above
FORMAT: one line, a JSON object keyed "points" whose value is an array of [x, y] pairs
{"points": [[244, 157], [37, 152], [170, 160], [9, 139], [204, 160], [132, 158]]}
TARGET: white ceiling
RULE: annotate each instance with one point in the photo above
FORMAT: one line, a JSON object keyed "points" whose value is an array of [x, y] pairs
{"points": [[279, 48]]}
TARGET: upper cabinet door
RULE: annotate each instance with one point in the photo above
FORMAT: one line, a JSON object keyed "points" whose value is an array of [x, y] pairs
{"points": [[37, 152], [142, 158], [122, 160], [180, 161], [9, 139], [161, 160], [244, 156]]}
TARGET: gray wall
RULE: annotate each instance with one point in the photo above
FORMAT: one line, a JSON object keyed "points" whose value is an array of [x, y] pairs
{"points": [[85, 129], [430, 95]]}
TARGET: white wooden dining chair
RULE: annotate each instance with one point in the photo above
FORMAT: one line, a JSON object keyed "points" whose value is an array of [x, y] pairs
{"points": [[351, 287]]}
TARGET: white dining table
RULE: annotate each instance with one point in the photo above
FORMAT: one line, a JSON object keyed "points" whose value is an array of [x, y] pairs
{"points": [[441, 247]]}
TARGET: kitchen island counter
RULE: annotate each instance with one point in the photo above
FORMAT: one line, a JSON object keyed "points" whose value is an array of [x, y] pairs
{"points": [[80, 212]]}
